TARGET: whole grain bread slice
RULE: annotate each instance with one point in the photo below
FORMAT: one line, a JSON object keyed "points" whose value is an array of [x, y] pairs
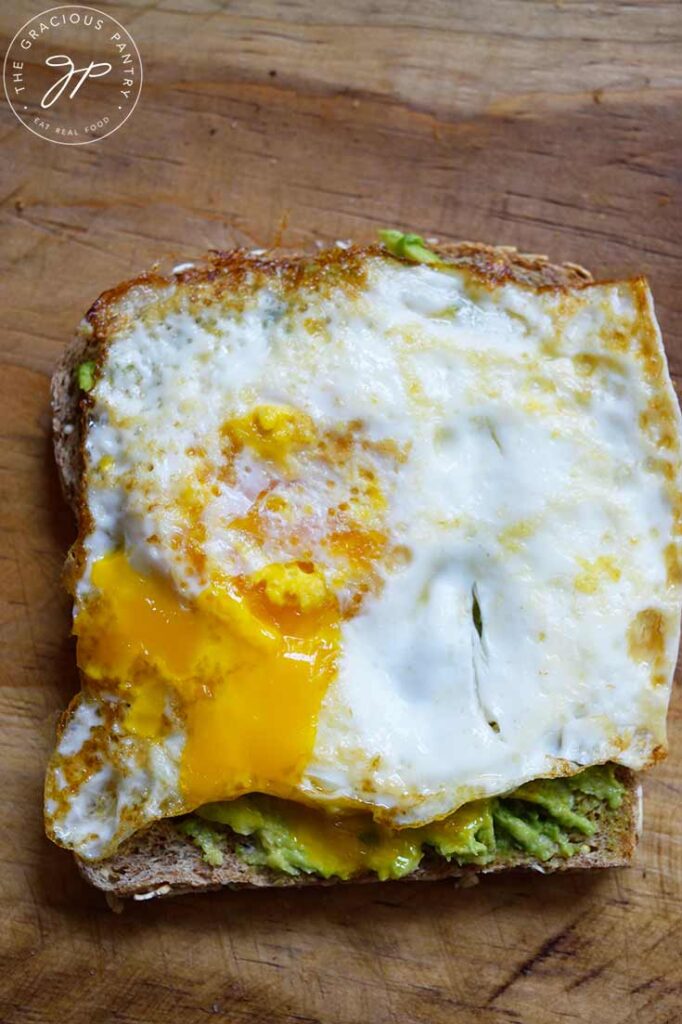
{"points": [[160, 860]]}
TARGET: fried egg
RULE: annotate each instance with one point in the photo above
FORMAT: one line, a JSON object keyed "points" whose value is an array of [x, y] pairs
{"points": [[369, 535]]}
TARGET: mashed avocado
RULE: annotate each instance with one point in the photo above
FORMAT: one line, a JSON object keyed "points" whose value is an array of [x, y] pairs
{"points": [[86, 375], [545, 818], [205, 837], [409, 247]]}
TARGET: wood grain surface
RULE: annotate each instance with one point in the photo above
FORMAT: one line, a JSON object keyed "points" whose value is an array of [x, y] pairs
{"points": [[552, 126]]}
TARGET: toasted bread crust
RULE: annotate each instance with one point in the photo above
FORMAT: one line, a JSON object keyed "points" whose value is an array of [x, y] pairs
{"points": [[160, 861]]}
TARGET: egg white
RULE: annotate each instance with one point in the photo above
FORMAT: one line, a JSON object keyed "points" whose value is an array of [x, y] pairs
{"points": [[525, 465]]}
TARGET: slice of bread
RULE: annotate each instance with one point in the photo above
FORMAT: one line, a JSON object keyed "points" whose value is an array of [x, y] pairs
{"points": [[161, 861]]}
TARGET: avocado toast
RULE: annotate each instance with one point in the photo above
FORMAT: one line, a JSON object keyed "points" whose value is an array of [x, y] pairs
{"points": [[583, 817]]}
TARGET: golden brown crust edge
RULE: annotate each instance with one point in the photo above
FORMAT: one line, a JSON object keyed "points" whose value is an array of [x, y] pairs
{"points": [[160, 861]]}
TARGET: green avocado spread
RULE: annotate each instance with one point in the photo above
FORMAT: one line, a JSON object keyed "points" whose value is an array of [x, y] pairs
{"points": [[409, 247], [544, 818], [86, 375]]}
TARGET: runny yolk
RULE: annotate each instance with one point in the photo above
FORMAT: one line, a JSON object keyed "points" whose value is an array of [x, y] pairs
{"points": [[246, 664], [345, 845]]}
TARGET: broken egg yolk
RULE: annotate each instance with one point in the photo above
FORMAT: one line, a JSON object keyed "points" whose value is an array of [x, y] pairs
{"points": [[273, 432], [246, 666], [346, 845]]}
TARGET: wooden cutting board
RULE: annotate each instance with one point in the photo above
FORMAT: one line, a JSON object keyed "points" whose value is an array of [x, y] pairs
{"points": [[552, 126]]}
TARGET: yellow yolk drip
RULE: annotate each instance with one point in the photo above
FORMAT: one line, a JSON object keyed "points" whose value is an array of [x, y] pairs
{"points": [[344, 845], [272, 431], [246, 664], [350, 844]]}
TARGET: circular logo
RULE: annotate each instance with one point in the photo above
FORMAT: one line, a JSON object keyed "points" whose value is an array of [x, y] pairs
{"points": [[72, 75]]}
